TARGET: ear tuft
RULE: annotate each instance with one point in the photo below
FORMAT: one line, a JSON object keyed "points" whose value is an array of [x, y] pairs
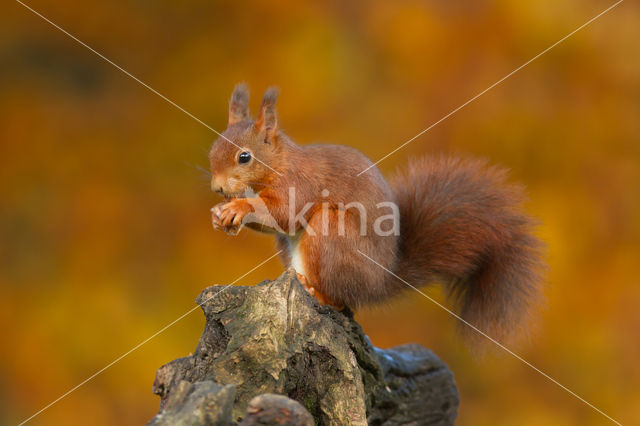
{"points": [[270, 96], [239, 104], [268, 117]]}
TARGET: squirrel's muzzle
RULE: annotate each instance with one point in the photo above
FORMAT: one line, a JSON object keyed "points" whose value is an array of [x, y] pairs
{"points": [[217, 185]]}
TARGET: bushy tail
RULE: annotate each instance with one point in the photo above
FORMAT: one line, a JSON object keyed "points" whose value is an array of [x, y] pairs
{"points": [[463, 225]]}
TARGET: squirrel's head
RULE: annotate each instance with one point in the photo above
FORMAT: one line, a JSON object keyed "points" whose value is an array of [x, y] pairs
{"points": [[242, 159]]}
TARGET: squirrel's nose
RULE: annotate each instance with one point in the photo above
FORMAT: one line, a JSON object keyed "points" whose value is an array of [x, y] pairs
{"points": [[216, 185]]}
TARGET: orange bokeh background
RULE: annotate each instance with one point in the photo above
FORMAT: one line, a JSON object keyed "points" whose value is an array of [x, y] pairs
{"points": [[104, 215]]}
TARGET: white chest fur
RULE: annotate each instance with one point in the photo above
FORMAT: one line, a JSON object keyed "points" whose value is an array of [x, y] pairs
{"points": [[297, 262]]}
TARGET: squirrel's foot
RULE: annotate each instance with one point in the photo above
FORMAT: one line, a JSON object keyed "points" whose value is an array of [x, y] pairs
{"points": [[320, 297], [305, 283]]}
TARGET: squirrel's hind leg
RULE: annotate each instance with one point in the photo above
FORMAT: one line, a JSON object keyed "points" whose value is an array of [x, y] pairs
{"points": [[292, 256], [318, 256], [333, 263]]}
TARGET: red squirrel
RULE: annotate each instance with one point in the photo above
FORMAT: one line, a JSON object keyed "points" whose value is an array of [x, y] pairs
{"points": [[457, 222]]}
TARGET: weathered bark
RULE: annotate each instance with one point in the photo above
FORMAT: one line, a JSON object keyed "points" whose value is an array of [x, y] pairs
{"points": [[274, 338]]}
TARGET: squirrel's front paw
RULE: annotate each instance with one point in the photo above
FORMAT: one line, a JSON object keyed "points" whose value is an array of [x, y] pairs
{"points": [[228, 216]]}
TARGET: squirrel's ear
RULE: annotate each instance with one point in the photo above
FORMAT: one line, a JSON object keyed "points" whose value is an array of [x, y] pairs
{"points": [[267, 117], [239, 104]]}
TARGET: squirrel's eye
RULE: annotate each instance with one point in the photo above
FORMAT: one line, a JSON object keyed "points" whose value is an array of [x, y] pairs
{"points": [[244, 157]]}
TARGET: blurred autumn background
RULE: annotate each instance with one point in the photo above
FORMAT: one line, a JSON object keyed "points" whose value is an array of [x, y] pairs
{"points": [[105, 232]]}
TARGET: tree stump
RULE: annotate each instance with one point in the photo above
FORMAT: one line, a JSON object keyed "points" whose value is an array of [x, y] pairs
{"points": [[265, 347]]}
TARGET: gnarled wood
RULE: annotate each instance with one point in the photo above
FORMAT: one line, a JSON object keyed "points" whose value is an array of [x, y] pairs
{"points": [[276, 339]]}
